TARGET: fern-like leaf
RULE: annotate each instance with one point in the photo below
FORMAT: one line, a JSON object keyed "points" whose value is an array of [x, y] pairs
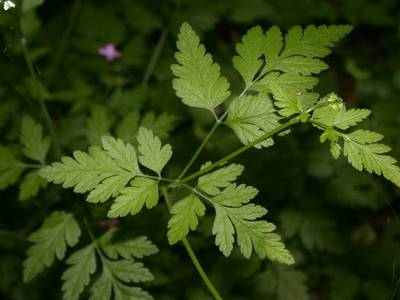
{"points": [[252, 116], [313, 41], [371, 156], [58, 231], [153, 156], [287, 65], [128, 249], [185, 214], [142, 191], [212, 182], [103, 172], [82, 264], [249, 61], [10, 168], [231, 217], [114, 279], [198, 80], [35, 146], [30, 185]]}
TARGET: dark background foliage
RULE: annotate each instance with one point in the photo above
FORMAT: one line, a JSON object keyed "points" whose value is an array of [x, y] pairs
{"points": [[340, 224]]}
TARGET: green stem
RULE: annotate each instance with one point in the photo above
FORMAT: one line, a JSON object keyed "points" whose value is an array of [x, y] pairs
{"points": [[198, 151], [94, 241], [157, 178], [203, 275], [155, 57], [89, 230], [193, 256], [235, 153]]}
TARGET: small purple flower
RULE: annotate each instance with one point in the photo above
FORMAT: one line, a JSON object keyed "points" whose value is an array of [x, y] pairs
{"points": [[109, 52]]}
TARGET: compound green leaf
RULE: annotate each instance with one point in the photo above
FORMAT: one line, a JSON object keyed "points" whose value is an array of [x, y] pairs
{"points": [[285, 100], [31, 136], [198, 80], [251, 233], [185, 215], [103, 286], [30, 185], [299, 65], [348, 118], [109, 187], [127, 129], [135, 248], [161, 125], [313, 41], [336, 150], [292, 83], [152, 154], [129, 271], [212, 182], [58, 231], [340, 117], [142, 191], [102, 172], [10, 168], [273, 44], [236, 195], [82, 264], [249, 61], [126, 292], [124, 154], [371, 157], [110, 281], [362, 136], [252, 116], [98, 124], [84, 171], [287, 66]]}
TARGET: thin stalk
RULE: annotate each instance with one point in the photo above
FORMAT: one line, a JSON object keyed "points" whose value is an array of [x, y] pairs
{"points": [[239, 151], [156, 178], [203, 275], [193, 256], [198, 193], [154, 58], [94, 241], [199, 149], [89, 230]]}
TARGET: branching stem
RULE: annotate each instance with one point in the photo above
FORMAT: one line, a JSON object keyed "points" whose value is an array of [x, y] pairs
{"points": [[198, 151], [212, 130], [154, 58], [239, 151]]}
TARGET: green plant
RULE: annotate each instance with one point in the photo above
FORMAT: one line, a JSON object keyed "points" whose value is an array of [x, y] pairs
{"points": [[278, 74]]}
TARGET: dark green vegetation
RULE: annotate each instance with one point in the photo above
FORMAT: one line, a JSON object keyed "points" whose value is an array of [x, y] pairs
{"points": [[339, 224]]}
